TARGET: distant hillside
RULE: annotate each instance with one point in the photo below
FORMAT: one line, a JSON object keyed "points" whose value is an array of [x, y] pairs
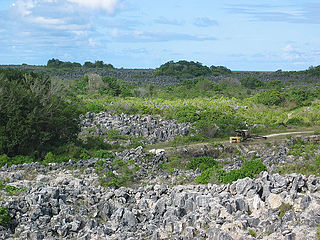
{"points": [[168, 73]]}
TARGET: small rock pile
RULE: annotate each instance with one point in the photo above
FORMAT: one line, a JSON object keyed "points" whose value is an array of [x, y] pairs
{"points": [[152, 130]]}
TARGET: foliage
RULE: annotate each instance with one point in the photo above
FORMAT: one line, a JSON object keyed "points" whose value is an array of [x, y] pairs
{"points": [[124, 174], [173, 163], [270, 98], [56, 63], [33, 118], [300, 148], [217, 174], [284, 207], [253, 167], [218, 122], [98, 64], [251, 82], [220, 70], [252, 233], [5, 218], [183, 69], [310, 165], [202, 163], [210, 175], [314, 71], [19, 159], [11, 190]]}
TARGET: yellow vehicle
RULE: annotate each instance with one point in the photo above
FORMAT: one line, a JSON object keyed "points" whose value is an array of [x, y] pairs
{"points": [[235, 139]]}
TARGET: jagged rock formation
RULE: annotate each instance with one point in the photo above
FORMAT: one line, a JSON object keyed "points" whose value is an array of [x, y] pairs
{"points": [[65, 201], [66, 204], [151, 129]]}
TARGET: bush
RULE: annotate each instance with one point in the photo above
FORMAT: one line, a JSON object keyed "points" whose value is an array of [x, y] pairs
{"points": [[232, 176], [251, 82], [33, 117], [205, 176], [103, 154], [270, 98], [123, 175], [4, 159], [253, 167], [210, 175], [216, 174], [202, 163], [5, 218], [183, 69]]}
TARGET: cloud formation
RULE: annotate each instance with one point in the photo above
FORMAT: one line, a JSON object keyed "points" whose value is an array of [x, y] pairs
{"points": [[205, 22], [107, 5], [166, 21], [297, 13]]}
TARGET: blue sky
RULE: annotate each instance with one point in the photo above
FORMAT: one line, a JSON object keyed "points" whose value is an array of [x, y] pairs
{"points": [[242, 35]]}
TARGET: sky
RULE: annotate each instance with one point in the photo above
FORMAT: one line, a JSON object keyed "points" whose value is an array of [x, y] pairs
{"points": [[242, 35]]}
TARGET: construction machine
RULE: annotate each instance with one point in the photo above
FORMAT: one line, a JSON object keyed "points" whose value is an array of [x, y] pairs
{"points": [[243, 135]]}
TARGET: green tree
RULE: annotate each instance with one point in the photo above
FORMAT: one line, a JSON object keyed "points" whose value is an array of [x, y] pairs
{"points": [[33, 117], [251, 82]]}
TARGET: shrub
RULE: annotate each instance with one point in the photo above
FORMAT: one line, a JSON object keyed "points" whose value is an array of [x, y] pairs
{"points": [[103, 154], [123, 175], [202, 163], [5, 218], [4, 159], [270, 98], [232, 176], [253, 167], [216, 174], [251, 82], [252, 233], [34, 118], [205, 176]]}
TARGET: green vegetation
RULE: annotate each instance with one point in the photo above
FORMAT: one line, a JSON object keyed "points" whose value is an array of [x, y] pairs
{"points": [[33, 116], [284, 208], [11, 190], [216, 174], [310, 163], [56, 63], [318, 232], [124, 173], [185, 69], [252, 233], [39, 115], [5, 218], [202, 163], [251, 82]]}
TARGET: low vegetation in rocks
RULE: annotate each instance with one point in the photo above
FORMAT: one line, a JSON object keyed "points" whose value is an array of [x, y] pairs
{"points": [[216, 174], [5, 218]]}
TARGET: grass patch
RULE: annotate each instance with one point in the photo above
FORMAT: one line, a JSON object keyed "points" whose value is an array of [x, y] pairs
{"points": [[5, 218], [217, 175], [11, 190], [284, 208]]}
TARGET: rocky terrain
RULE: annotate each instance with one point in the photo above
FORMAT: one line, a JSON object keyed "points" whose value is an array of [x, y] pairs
{"points": [[150, 128], [66, 201]]}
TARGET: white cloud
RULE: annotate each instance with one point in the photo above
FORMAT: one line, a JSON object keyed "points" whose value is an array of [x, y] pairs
{"points": [[107, 5], [24, 6], [291, 53], [43, 20], [92, 42]]}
